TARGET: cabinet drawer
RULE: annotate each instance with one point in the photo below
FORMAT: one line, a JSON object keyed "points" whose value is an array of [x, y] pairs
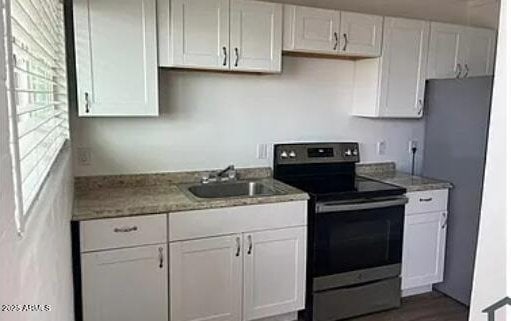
{"points": [[427, 201], [231, 220], [122, 232]]}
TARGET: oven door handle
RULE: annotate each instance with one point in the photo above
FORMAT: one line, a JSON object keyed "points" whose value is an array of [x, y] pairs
{"points": [[345, 207]]}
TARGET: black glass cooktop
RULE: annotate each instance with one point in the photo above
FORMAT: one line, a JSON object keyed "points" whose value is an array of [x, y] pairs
{"points": [[344, 188]]}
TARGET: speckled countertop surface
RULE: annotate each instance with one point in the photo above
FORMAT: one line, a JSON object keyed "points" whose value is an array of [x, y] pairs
{"points": [[386, 172], [121, 196]]}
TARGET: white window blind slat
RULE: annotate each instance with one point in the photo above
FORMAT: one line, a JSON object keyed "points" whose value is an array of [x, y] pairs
{"points": [[37, 87]]}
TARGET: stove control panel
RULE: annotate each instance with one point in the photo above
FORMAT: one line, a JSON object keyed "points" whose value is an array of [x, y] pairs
{"points": [[316, 153]]}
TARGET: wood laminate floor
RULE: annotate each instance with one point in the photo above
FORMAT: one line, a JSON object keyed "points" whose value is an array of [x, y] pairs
{"points": [[426, 307]]}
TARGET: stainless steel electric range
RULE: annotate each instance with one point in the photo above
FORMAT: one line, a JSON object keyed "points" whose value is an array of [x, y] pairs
{"points": [[355, 232]]}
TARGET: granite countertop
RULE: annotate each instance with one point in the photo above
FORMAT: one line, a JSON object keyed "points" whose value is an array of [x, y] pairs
{"points": [[131, 195], [387, 173]]}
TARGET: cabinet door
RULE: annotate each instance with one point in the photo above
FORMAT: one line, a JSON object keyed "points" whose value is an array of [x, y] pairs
{"points": [[404, 61], [125, 284], [361, 34], [480, 52], [274, 272], [116, 57], [445, 51], [256, 36], [316, 30], [200, 33], [205, 279], [424, 249]]}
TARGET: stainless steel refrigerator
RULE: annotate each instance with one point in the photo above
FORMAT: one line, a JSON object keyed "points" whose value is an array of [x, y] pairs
{"points": [[457, 115]]}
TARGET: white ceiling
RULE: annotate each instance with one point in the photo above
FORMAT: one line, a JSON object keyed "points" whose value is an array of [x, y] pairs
{"points": [[455, 11]]}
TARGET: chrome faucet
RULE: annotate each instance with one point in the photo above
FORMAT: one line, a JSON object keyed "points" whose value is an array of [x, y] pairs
{"points": [[227, 174]]}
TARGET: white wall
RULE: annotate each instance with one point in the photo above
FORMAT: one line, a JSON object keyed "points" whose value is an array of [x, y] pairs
{"points": [[491, 262], [35, 269], [209, 120]]}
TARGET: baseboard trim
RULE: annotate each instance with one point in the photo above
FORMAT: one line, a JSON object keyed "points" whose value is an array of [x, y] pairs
{"points": [[291, 316], [417, 290]]}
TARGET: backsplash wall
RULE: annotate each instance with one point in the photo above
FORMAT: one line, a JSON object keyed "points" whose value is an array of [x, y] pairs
{"points": [[211, 119]]}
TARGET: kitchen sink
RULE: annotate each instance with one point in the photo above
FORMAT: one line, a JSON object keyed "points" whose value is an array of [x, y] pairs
{"points": [[232, 189]]}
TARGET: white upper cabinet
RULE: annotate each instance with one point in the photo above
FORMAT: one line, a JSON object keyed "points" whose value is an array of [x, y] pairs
{"points": [[274, 272], [220, 34], [333, 32], [116, 57], [404, 61], [459, 51], [361, 34], [393, 85], [256, 36], [125, 284], [444, 59], [480, 52], [200, 33], [311, 29]]}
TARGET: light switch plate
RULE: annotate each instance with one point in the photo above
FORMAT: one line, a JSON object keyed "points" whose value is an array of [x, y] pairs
{"points": [[262, 151], [84, 156], [381, 147]]}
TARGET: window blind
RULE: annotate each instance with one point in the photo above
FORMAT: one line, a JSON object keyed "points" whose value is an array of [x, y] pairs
{"points": [[37, 86]]}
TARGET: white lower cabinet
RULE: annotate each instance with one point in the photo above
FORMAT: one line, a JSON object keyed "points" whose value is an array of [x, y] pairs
{"points": [[210, 276], [224, 264], [205, 279], [125, 284], [273, 272], [424, 240]]}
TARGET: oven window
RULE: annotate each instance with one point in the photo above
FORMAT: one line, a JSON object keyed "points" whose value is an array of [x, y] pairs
{"points": [[349, 241]]}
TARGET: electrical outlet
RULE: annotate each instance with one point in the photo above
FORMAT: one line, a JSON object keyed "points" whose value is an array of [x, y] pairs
{"points": [[262, 151], [84, 156], [411, 145], [381, 147]]}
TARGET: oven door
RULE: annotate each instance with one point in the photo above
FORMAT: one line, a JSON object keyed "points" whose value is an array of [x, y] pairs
{"points": [[358, 236]]}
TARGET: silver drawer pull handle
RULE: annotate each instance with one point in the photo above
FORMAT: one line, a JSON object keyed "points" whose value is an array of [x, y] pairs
{"points": [[125, 229], [224, 49], [336, 38], [458, 71], [250, 245], [237, 54], [87, 109], [160, 257], [444, 225], [429, 199], [238, 246]]}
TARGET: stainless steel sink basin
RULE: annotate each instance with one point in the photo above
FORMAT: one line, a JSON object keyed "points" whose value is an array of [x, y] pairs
{"points": [[231, 189]]}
